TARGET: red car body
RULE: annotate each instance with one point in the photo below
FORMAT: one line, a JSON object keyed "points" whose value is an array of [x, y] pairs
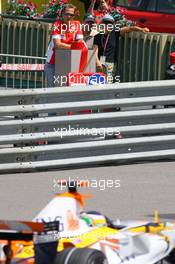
{"points": [[157, 15]]}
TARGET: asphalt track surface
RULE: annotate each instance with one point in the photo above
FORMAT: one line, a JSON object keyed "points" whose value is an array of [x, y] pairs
{"points": [[143, 188]]}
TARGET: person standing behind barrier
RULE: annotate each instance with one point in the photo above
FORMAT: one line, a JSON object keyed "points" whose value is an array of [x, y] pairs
{"points": [[64, 32], [106, 45], [89, 30], [98, 8]]}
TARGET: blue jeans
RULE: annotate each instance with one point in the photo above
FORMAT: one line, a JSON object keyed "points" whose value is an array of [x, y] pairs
{"points": [[49, 71]]}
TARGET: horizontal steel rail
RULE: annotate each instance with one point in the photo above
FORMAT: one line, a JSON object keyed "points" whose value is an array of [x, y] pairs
{"points": [[95, 92], [77, 106], [22, 56], [86, 149], [63, 136], [46, 124], [84, 161]]}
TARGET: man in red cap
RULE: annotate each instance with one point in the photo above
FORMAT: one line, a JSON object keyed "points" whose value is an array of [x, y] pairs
{"points": [[65, 31]]}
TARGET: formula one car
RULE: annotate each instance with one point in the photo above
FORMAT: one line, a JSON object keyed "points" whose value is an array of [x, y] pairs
{"points": [[16, 235], [87, 237]]}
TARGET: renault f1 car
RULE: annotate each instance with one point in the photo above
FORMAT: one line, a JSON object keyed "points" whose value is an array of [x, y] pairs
{"points": [[85, 237]]}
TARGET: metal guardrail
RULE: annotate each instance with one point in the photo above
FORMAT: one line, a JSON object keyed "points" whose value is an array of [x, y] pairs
{"points": [[82, 150], [87, 121], [144, 57], [141, 57], [126, 131], [66, 163], [78, 106], [87, 93], [19, 71], [91, 138], [21, 37]]}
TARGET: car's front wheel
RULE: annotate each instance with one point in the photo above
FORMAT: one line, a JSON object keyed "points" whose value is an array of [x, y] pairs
{"points": [[171, 258], [80, 256]]}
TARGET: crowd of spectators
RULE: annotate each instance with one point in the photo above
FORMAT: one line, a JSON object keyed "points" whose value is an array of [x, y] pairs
{"points": [[102, 26]]}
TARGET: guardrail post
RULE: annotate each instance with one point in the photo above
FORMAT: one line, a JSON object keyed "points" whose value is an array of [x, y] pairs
{"points": [[162, 57]]}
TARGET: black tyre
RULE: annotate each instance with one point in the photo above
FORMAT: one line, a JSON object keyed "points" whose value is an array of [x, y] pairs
{"points": [[61, 256], [171, 258], [80, 256]]}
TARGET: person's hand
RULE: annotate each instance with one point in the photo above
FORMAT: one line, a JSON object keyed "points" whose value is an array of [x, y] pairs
{"points": [[99, 68], [145, 30]]}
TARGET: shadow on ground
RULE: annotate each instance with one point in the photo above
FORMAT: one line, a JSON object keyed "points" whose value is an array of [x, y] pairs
{"points": [[164, 216]]}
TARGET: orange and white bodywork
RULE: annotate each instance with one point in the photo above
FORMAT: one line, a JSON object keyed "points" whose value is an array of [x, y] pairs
{"points": [[133, 243]]}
